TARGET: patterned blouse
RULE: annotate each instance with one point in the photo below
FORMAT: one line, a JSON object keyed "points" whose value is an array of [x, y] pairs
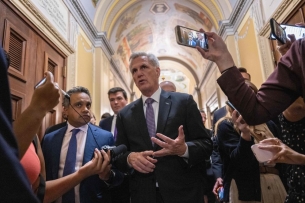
{"points": [[293, 135]]}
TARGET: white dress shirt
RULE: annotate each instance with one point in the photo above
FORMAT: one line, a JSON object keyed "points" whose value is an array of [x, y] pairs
{"points": [[113, 124], [81, 141]]}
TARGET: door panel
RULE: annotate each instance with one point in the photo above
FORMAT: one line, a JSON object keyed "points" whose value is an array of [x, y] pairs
{"points": [[31, 54], [54, 62]]}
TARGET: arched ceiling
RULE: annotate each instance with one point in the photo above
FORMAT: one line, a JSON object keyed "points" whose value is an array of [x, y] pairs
{"points": [[148, 25]]}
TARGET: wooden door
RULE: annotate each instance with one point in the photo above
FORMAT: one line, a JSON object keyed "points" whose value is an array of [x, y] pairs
{"points": [[31, 54], [51, 60]]}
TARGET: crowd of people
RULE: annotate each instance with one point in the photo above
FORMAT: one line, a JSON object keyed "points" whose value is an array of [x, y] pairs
{"points": [[171, 157]]}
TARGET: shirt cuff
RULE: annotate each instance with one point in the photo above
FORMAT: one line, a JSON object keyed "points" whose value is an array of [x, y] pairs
{"points": [[186, 153], [128, 161]]}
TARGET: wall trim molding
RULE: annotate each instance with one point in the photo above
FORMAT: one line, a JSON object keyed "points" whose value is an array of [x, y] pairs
{"points": [[98, 39], [280, 14], [116, 71], [44, 26]]}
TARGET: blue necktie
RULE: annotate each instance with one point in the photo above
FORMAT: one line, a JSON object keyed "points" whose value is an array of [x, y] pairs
{"points": [[150, 117], [69, 168]]}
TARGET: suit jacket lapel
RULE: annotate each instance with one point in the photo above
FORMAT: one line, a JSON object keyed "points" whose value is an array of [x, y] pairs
{"points": [[56, 145], [140, 122], [164, 108], [90, 144], [109, 124]]}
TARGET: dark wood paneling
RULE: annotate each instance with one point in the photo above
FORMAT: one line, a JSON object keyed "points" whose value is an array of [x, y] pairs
{"points": [[32, 54]]}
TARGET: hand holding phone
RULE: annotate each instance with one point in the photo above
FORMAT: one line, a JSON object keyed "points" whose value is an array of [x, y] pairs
{"points": [[41, 82], [233, 107], [220, 193], [46, 94], [261, 155], [191, 38], [277, 31]]}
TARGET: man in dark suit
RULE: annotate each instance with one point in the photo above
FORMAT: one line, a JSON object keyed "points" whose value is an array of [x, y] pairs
{"points": [[165, 167], [118, 100], [56, 148]]}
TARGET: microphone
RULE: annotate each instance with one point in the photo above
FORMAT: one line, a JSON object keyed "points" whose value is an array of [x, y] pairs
{"points": [[115, 152]]}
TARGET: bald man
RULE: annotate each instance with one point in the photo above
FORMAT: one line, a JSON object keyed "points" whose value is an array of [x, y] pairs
{"points": [[168, 86]]}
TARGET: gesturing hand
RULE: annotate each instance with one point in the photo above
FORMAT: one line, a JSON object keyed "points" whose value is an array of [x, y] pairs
{"points": [[170, 146], [142, 161]]}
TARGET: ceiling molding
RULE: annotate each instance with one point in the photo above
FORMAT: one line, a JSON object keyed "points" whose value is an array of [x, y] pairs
{"points": [[183, 63], [98, 39], [230, 26]]}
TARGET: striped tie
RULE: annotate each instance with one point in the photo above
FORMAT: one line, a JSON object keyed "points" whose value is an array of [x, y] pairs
{"points": [[150, 117]]}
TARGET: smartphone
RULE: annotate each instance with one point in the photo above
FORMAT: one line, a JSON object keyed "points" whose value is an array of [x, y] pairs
{"points": [[44, 80], [233, 107], [191, 38], [299, 32], [277, 31], [220, 193], [260, 154], [40, 82]]}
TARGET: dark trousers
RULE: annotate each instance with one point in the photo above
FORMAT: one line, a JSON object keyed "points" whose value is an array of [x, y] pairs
{"points": [[120, 193], [159, 196]]}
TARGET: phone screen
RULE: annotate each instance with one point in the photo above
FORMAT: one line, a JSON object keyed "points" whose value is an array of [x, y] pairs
{"points": [[191, 38], [299, 32], [277, 31]]}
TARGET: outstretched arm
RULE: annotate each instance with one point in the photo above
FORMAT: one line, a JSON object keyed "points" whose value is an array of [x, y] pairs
{"points": [[56, 188], [26, 126]]}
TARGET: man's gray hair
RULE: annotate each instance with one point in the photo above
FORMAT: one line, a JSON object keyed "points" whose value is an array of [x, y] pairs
{"points": [[152, 59]]}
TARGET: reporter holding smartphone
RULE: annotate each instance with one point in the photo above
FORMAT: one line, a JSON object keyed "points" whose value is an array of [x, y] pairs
{"points": [[287, 82], [244, 179], [289, 149]]}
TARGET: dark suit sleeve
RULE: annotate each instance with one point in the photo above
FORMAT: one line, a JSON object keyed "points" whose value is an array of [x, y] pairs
{"points": [[121, 163], [198, 140], [280, 90], [216, 160], [238, 149]]}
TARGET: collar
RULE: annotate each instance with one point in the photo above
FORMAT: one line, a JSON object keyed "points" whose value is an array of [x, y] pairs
{"points": [[155, 96], [83, 128]]}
